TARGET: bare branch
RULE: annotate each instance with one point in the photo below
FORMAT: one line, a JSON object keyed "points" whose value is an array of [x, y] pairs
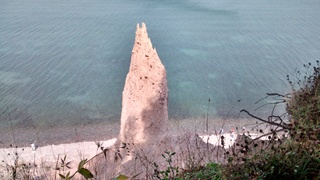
{"points": [[266, 121], [270, 133]]}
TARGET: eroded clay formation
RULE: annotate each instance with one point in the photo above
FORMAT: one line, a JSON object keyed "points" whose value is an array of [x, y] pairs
{"points": [[145, 96]]}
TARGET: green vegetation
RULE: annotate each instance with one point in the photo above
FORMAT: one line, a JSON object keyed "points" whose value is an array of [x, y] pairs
{"points": [[171, 172], [81, 170], [291, 149], [295, 157], [28, 171], [210, 171]]}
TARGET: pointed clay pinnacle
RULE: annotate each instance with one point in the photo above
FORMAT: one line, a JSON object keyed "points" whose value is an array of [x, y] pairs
{"points": [[145, 95]]}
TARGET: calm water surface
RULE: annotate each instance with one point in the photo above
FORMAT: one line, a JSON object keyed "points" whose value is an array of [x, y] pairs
{"points": [[65, 62]]}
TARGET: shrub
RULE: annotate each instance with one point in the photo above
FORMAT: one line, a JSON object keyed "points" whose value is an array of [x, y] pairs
{"points": [[210, 171], [295, 157]]}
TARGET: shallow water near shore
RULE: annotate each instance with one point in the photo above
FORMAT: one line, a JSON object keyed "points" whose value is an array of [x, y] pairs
{"points": [[64, 63]]}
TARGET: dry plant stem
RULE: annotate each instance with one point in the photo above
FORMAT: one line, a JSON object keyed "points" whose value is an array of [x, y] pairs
{"points": [[207, 116], [257, 138], [273, 94], [56, 168], [12, 129], [268, 122], [275, 104], [283, 99]]}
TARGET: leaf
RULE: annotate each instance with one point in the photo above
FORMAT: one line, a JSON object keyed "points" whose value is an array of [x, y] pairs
{"points": [[155, 165], [116, 158], [68, 176], [62, 176], [124, 145], [120, 156], [82, 163], [63, 160], [105, 152], [85, 173], [122, 177], [98, 144], [68, 165]]}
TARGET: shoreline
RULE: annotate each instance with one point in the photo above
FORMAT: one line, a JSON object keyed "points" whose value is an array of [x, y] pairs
{"points": [[47, 157], [23, 137]]}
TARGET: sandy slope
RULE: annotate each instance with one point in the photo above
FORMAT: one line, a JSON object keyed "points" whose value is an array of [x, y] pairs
{"points": [[46, 157]]}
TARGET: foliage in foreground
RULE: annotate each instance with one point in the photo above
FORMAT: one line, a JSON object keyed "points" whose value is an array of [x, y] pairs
{"points": [[210, 171], [81, 170], [298, 156], [292, 150]]}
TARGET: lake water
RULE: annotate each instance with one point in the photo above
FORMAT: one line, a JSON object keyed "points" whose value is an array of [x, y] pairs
{"points": [[65, 62]]}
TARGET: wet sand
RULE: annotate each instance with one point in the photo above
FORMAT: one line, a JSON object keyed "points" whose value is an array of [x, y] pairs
{"points": [[23, 137]]}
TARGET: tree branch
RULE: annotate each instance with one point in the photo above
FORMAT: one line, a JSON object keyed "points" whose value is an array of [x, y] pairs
{"points": [[265, 121]]}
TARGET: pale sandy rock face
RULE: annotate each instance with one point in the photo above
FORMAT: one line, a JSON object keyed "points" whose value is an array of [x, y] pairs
{"points": [[143, 135], [145, 95]]}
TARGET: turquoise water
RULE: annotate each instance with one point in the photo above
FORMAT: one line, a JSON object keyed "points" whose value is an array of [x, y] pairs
{"points": [[65, 62]]}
